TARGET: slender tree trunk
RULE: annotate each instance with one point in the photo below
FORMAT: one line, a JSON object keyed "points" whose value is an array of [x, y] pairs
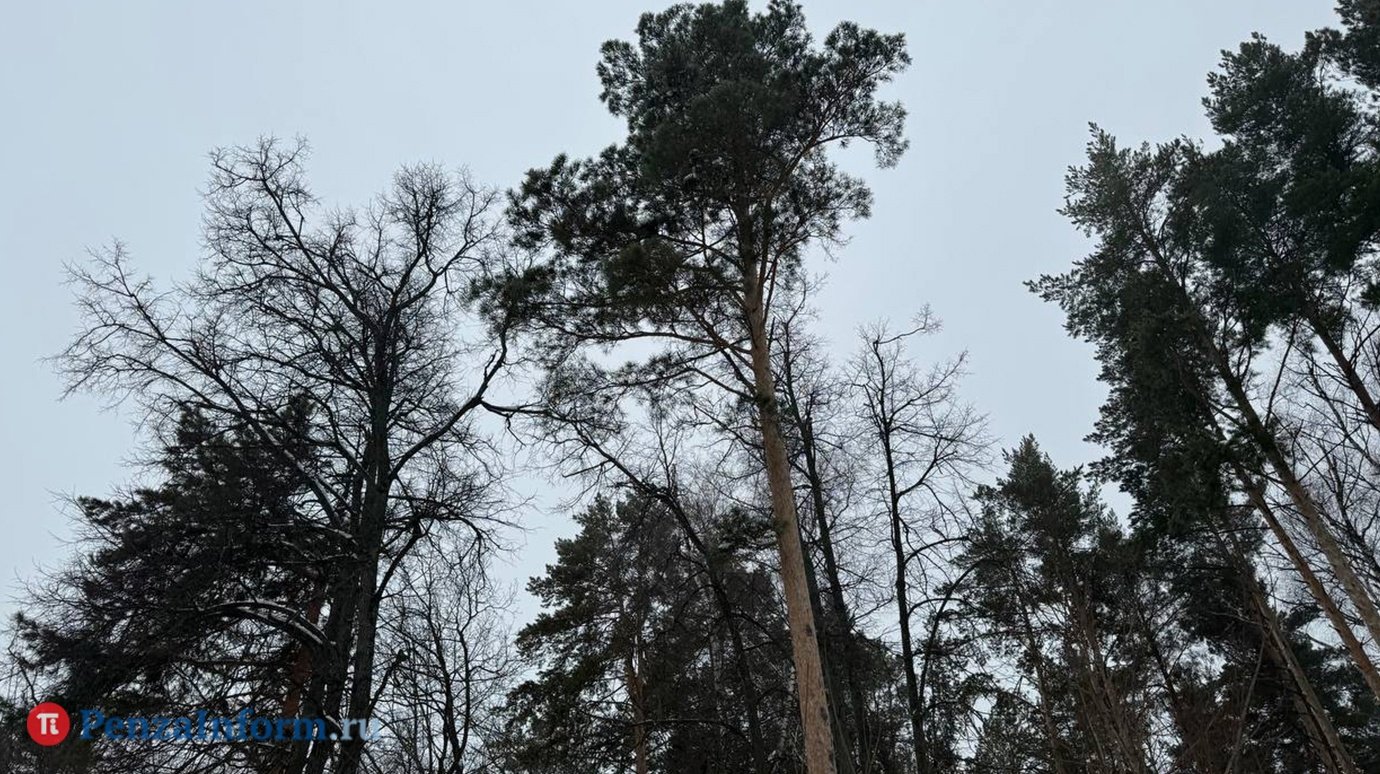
{"points": [[374, 514], [300, 672], [1042, 683], [328, 684], [931, 642], [362, 672], [639, 710], [1370, 408], [1199, 753], [1308, 508], [1325, 739], [901, 584], [902, 587], [841, 645], [1113, 710], [1315, 586], [840, 624], [843, 741], [1266, 441], [740, 655], [809, 671]]}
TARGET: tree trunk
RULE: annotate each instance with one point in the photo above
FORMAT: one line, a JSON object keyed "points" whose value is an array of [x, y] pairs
{"points": [[902, 586], [301, 663], [1112, 709], [328, 683], [1316, 721], [1353, 379], [298, 676], [841, 623], [843, 741], [1308, 508], [740, 655], [373, 517], [639, 710], [809, 671], [362, 672], [1195, 750], [1314, 584], [1265, 439], [1042, 683]]}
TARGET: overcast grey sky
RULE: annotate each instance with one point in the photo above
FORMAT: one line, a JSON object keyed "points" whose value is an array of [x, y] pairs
{"points": [[108, 110]]}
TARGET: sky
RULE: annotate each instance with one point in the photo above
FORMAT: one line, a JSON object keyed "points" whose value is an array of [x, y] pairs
{"points": [[109, 110]]}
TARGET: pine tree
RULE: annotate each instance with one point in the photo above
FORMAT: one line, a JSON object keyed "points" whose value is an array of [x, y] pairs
{"points": [[633, 663], [692, 229]]}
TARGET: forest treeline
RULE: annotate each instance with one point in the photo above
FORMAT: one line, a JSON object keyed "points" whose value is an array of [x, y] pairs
{"points": [[790, 555]]}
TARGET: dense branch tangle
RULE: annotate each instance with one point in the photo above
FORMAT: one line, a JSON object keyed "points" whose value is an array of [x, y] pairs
{"points": [[356, 318]]}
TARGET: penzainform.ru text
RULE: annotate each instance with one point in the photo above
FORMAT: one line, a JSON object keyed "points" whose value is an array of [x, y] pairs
{"points": [[49, 724]]}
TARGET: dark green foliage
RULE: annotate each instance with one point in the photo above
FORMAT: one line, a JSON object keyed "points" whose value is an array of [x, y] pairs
{"points": [[723, 170], [1205, 261], [1157, 420], [1291, 203], [626, 593], [150, 595], [1053, 581], [1010, 741], [1357, 46], [165, 611]]}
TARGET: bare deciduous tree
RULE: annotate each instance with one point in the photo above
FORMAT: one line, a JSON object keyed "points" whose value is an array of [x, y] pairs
{"points": [[361, 314]]}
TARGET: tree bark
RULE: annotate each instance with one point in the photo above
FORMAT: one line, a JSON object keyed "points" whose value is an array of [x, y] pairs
{"points": [[1315, 586], [809, 671], [328, 684], [639, 710], [1324, 735], [1265, 440], [720, 593], [298, 676], [840, 624], [1308, 508], [902, 587], [378, 464], [1369, 407], [843, 739], [1195, 750]]}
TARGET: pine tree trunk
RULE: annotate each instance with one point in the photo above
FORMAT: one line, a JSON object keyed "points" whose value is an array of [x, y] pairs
{"points": [[1369, 406], [1112, 709], [809, 670], [1042, 683], [1314, 584], [1202, 755], [859, 740], [298, 675], [639, 711], [1265, 439], [843, 741], [301, 663], [1325, 739], [1308, 508]]}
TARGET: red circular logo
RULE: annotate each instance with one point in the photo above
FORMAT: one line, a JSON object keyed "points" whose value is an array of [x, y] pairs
{"points": [[48, 724]]}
